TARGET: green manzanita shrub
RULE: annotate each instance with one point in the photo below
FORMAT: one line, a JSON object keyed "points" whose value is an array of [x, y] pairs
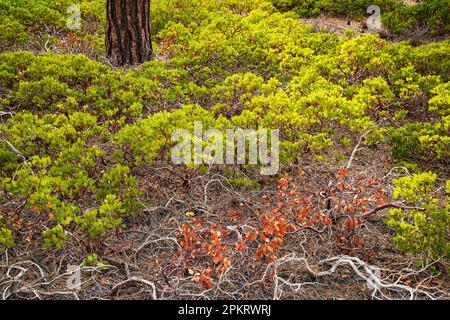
{"points": [[426, 140], [24, 20], [49, 134], [423, 141], [54, 237], [431, 15], [54, 192], [422, 227], [12, 66], [187, 11], [106, 217], [93, 260], [118, 181], [12, 33], [6, 240]]}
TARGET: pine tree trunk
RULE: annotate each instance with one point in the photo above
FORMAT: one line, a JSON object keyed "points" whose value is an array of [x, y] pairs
{"points": [[128, 31]]}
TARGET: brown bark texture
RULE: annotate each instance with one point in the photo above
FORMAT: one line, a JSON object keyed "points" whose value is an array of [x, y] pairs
{"points": [[128, 39]]}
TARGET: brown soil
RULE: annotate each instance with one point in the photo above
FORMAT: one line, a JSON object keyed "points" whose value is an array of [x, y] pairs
{"points": [[335, 25]]}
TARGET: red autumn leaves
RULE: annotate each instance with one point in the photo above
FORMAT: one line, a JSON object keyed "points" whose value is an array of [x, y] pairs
{"points": [[296, 205]]}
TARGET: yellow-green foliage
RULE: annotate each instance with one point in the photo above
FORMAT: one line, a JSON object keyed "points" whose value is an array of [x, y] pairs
{"points": [[25, 20], [6, 240], [431, 15], [422, 228]]}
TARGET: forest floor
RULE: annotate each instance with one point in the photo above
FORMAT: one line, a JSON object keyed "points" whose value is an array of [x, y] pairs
{"points": [[339, 26], [142, 261]]}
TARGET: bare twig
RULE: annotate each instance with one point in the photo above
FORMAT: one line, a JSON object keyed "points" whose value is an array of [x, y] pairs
{"points": [[356, 149], [136, 279], [390, 205], [17, 152]]}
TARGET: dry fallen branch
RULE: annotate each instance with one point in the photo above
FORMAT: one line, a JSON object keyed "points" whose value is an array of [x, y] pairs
{"points": [[390, 205], [356, 149], [370, 274], [135, 279], [13, 149], [6, 113]]}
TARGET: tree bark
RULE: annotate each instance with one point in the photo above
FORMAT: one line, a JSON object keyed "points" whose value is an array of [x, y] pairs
{"points": [[128, 39]]}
